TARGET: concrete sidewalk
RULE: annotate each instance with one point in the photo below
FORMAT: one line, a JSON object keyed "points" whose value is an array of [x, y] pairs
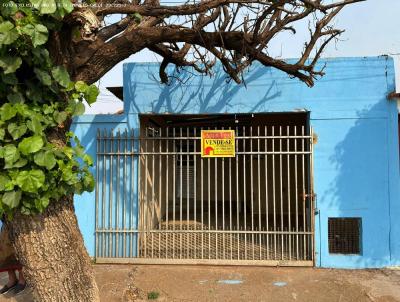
{"points": [[209, 283]]}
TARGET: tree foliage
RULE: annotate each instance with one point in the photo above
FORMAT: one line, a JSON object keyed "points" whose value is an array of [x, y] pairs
{"points": [[40, 160]]}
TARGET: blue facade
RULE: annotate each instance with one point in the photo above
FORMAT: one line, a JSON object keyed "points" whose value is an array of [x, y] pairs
{"points": [[356, 157]]}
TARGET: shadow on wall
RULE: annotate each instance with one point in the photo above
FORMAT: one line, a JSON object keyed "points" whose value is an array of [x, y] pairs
{"points": [[351, 177], [194, 93]]}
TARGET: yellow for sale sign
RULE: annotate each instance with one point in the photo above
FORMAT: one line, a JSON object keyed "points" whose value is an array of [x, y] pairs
{"points": [[217, 143]]}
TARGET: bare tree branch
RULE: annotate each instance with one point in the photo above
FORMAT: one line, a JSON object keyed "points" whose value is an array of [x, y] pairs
{"points": [[234, 32], [203, 6]]}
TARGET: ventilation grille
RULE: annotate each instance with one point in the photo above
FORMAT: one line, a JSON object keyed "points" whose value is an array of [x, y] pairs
{"points": [[344, 235]]}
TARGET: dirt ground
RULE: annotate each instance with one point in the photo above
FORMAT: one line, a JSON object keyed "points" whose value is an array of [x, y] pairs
{"points": [[120, 283]]}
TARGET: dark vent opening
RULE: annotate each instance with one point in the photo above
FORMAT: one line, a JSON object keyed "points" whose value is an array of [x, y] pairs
{"points": [[344, 235]]}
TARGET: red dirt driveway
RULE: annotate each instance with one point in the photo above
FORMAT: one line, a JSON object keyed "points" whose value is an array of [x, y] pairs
{"points": [[122, 283]]}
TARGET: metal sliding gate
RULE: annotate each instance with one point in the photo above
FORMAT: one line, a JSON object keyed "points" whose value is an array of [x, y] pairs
{"points": [[159, 201]]}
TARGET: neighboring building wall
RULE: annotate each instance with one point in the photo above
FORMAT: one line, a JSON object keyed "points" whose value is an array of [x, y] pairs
{"points": [[356, 164]]}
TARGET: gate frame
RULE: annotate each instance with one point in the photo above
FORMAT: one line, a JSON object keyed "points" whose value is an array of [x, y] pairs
{"points": [[288, 263]]}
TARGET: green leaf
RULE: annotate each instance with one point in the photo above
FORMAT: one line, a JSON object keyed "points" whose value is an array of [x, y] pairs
{"points": [[41, 203], [91, 94], [81, 86], [41, 56], [137, 17], [45, 202], [28, 29], [25, 211], [16, 130], [18, 164], [40, 35], [67, 5], [34, 125], [12, 199], [88, 159], [4, 181], [30, 144], [16, 98], [68, 151], [61, 75], [8, 33], [44, 6], [9, 8], [60, 117], [30, 181], [79, 109], [23, 110], [11, 154], [34, 93], [9, 78], [45, 159], [10, 64], [43, 76], [8, 111], [88, 182], [69, 176]]}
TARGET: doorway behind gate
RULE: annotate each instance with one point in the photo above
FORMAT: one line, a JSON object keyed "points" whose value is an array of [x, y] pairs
{"points": [[254, 208]]}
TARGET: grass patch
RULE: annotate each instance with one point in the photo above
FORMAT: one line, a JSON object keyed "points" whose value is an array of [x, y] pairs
{"points": [[153, 295]]}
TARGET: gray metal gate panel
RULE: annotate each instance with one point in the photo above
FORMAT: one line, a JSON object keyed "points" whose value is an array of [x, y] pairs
{"points": [[256, 208]]}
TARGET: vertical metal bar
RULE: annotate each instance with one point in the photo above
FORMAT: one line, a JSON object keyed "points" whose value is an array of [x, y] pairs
{"points": [[230, 203], [187, 235], [160, 202], [259, 189], [237, 189], [132, 201], [173, 191], [209, 205], [104, 193], [202, 203], [125, 192], [167, 195], [145, 197], [312, 201], [288, 190], [223, 204], [110, 235], [266, 188], [180, 191], [141, 190], [195, 188], [244, 193], [304, 194], [153, 197], [281, 187], [216, 203], [274, 187], [140, 180], [117, 208], [252, 189], [296, 194]]}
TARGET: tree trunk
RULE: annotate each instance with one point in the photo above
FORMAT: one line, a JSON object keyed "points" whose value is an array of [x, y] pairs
{"points": [[50, 248]]}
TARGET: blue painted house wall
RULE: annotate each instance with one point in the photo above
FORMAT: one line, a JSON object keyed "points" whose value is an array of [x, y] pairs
{"points": [[356, 157]]}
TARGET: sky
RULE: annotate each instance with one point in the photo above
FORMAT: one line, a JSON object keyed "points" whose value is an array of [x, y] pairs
{"points": [[372, 28]]}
